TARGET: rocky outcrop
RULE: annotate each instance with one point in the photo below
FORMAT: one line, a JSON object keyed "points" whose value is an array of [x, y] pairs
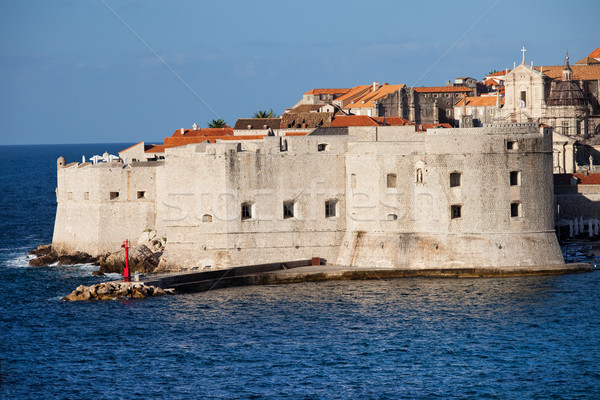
{"points": [[46, 255], [141, 259], [115, 290], [150, 239]]}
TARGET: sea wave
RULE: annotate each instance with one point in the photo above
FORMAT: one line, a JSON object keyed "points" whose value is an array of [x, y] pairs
{"points": [[17, 261]]}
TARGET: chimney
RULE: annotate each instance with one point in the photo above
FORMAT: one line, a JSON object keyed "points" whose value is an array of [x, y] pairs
{"points": [[182, 131], [375, 86]]}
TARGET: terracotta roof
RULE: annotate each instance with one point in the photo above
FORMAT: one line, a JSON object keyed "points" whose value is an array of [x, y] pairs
{"points": [[305, 108], [392, 121], [587, 61], [353, 120], [182, 141], [242, 137], [257, 123], [296, 133], [443, 89], [327, 91], [565, 179], [481, 101], [204, 132], [499, 73], [365, 120], [424, 127], [157, 148], [353, 93], [367, 99], [580, 72], [595, 53]]}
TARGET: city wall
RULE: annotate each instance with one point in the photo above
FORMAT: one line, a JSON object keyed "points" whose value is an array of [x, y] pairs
{"points": [[384, 197]]}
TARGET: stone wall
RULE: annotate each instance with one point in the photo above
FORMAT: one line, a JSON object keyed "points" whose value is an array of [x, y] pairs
{"points": [[99, 206], [379, 196]]}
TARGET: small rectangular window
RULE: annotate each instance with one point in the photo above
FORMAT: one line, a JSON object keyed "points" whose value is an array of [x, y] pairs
{"points": [[141, 194], [69, 195], [515, 210], [114, 195], [455, 211], [565, 127], [391, 180], [330, 208], [524, 97], [455, 179], [246, 211], [515, 178], [322, 147], [353, 181], [86, 195], [288, 209], [512, 145]]}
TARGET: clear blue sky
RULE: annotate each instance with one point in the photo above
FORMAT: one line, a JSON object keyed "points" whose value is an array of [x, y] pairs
{"points": [[71, 71]]}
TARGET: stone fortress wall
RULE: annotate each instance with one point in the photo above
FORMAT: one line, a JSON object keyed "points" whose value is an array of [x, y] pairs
{"points": [[379, 196]]}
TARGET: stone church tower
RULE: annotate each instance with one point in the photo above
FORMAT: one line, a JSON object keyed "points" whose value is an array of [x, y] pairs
{"points": [[533, 96]]}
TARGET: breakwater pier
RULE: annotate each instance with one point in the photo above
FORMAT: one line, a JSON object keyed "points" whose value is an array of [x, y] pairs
{"points": [[305, 271]]}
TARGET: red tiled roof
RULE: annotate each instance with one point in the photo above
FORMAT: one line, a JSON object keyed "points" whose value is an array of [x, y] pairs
{"points": [[392, 121], [481, 101], [296, 133], [367, 99], [353, 94], [327, 91], [353, 120], [443, 89], [365, 120], [424, 127], [580, 72], [242, 137], [587, 61], [595, 53], [499, 73], [565, 179], [157, 148], [204, 132]]}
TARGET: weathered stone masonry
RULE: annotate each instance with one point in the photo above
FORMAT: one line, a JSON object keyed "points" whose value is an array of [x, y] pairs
{"points": [[379, 196]]}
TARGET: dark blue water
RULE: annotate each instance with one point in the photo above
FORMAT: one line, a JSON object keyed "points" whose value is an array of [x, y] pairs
{"points": [[512, 338]]}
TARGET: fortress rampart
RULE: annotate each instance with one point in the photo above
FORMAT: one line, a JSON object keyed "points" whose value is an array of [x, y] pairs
{"points": [[386, 197]]}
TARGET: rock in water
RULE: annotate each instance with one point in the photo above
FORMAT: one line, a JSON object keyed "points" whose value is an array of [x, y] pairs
{"points": [[112, 290], [141, 259], [42, 261], [45, 255], [76, 258], [41, 250]]}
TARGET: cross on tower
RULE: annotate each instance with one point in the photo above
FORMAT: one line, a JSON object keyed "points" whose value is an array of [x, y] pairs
{"points": [[523, 50]]}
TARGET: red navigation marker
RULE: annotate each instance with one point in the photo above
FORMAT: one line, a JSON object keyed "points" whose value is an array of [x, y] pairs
{"points": [[126, 245]]}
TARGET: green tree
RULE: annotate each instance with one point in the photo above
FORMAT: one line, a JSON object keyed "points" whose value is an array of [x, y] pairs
{"points": [[265, 114], [217, 123]]}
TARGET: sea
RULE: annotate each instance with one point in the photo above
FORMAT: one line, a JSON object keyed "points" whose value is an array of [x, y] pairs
{"points": [[422, 338]]}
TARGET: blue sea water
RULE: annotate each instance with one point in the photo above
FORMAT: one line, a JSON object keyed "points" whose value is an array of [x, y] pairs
{"points": [[510, 338]]}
